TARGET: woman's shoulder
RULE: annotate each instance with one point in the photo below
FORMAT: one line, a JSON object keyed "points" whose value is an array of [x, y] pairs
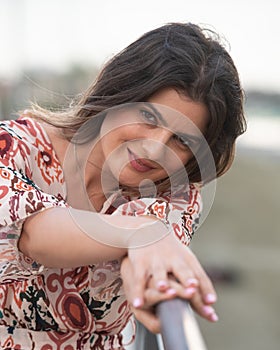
{"points": [[26, 146], [24, 129]]}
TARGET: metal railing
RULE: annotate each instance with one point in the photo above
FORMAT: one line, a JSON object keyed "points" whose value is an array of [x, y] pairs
{"points": [[180, 330]]}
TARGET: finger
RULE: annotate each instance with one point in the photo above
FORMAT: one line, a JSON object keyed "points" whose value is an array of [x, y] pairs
{"points": [[201, 295], [177, 271], [205, 311], [183, 292], [134, 283], [159, 280], [148, 319], [206, 287], [204, 282], [183, 275], [153, 296], [183, 269], [191, 282], [175, 288]]}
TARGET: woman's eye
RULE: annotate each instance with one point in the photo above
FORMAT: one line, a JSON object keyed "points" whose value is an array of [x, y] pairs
{"points": [[149, 117], [183, 141]]}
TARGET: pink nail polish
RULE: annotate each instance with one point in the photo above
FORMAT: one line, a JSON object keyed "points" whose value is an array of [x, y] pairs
{"points": [[171, 291], [190, 291], [162, 284], [192, 282], [208, 310], [210, 298], [137, 302], [214, 317]]}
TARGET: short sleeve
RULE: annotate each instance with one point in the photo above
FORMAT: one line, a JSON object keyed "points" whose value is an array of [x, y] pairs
{"points": [[20, 197], [180, 212]]}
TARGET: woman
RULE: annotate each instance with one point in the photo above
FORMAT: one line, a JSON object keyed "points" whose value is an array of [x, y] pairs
{"points": [[90, 195]]}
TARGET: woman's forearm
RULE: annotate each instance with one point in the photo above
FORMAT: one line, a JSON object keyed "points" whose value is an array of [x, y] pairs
{"points": [[63, 237]]}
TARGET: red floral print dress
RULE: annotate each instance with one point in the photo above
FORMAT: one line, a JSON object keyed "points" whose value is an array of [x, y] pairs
{"points": [[71, 309]]}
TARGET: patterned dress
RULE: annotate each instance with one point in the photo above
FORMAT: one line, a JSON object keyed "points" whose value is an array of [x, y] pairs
{"points": [[68, 309]]}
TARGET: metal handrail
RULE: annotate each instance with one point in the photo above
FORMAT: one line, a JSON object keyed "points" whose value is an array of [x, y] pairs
{"points": [[180, 330]]}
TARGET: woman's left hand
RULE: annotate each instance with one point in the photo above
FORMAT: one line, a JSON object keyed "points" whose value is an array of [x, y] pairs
{"points": [[177, 274]]}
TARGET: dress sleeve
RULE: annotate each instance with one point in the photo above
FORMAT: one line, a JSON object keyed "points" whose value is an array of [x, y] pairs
{"points": [[180, 213], [20, 197]]}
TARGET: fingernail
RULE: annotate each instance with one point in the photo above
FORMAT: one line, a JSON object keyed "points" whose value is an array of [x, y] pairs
{"points": [[208, 310], [162, 284], [171, 291], [189, 291], [137, 302], [214, 317], [210, 298], [192, 282]]}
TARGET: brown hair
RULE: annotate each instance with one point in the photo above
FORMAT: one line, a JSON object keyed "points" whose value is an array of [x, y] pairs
{"points": [[182, 56]]}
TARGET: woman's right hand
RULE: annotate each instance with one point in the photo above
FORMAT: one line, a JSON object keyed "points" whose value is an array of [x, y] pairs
{"points": [[163, 270]]}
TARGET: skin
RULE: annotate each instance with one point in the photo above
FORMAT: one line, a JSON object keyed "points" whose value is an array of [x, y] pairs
{"points": [[151, 141], [148, 138], [147, 275]]}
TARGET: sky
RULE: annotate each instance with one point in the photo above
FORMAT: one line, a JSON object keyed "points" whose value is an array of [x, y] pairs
{"points": [[53, 34]]}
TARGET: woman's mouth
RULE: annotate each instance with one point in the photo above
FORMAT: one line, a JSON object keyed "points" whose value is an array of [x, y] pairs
{"points": [[139, 164]]}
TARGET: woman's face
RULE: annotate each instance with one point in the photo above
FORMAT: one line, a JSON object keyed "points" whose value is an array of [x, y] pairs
{"points": [[153, 139]]}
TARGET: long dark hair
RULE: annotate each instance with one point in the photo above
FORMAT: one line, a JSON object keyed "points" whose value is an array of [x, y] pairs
{"points": [[182, 56]]}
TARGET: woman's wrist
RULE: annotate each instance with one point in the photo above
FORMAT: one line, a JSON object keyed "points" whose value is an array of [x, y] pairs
{"points": [[147, 234]]}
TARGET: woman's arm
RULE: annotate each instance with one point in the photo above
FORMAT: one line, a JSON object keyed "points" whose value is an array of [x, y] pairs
{"points": [[63, 237], [67, 237]]}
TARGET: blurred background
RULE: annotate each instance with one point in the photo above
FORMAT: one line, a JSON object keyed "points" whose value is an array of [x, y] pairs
{"points": [[52, 50]]}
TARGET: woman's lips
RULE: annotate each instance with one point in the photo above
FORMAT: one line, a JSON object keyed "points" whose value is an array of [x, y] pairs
{"points": [[137, 163]]}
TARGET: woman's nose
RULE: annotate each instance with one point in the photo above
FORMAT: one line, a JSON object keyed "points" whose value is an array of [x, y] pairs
{"points": [[155, 143]]}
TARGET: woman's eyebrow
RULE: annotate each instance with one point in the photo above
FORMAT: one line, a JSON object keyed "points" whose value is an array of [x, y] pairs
{"points": [[189, 136]]}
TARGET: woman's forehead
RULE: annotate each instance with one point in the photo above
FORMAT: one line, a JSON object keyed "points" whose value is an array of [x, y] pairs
{"points": [[180, 103]]}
